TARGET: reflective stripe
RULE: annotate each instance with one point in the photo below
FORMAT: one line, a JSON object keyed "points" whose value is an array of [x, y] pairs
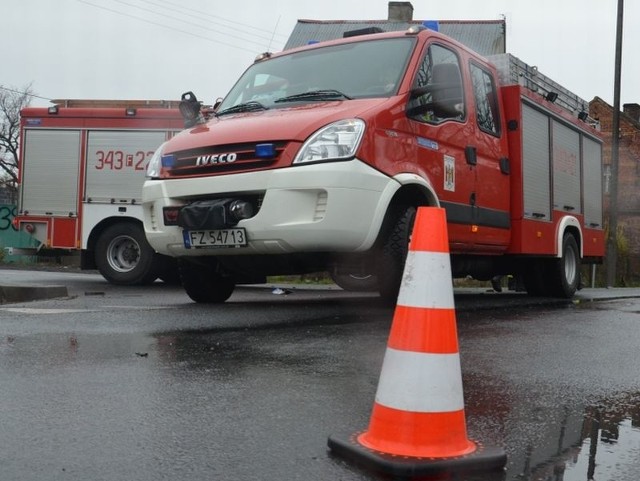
{"points": [[417, 382], [430, 230], [424, 330], [437, 435], [426, 281]]}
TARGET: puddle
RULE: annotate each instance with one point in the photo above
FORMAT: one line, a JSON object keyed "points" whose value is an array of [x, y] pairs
{"points": [[603, 458], [607, 446]]}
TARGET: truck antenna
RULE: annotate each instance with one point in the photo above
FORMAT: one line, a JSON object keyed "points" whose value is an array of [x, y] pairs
{"points": [[273, 34]]}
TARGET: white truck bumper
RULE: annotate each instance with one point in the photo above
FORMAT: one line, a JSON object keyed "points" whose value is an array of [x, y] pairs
{"points": [[327, 207]]}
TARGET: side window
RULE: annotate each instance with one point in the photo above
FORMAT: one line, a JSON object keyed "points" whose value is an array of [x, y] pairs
{"points": [[437, 89], [484, 92]]}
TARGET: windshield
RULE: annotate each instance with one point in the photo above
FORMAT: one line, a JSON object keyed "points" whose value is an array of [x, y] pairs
{"points": [[355, 70]]}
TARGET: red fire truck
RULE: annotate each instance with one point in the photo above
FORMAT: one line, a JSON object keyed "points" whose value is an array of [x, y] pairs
{"points": [[82, 165], [319, 156]]}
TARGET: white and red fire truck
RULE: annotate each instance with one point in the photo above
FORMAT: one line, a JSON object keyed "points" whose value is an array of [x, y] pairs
{"points": [[319, 156], [81, 170]]}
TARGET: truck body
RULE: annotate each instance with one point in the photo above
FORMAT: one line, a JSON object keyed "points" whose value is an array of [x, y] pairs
{"points": [[81, 170], [318, 158]]}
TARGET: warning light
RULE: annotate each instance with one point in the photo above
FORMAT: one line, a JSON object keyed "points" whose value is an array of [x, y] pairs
{"points": [[474, 229], [539, 235], [265, 151]]}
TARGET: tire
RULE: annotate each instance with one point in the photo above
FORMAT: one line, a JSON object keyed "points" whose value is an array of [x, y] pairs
{"points": [[124, 257], [394, 251], [203, 283], [355, 282], [564, 273]]}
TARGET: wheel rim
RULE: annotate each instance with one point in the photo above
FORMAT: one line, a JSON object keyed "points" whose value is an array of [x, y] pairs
{"points": [[123, 254]]}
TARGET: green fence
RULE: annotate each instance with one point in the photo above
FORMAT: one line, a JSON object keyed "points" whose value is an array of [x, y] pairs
{"points": [[10, 237]]}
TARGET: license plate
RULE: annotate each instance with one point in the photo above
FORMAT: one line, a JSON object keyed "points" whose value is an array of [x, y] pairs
{"points": [[196, 239]]}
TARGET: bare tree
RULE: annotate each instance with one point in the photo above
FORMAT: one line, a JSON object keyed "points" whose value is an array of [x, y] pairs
{"points": [[11, 102]]}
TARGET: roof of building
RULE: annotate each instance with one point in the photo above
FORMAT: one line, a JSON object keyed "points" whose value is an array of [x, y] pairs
{"points": [[624, 115], [487, 37]]}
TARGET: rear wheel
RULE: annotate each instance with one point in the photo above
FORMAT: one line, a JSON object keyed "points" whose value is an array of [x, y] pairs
{"points": [[394, 251], [204, 283], [564, 272], [124, 257]]}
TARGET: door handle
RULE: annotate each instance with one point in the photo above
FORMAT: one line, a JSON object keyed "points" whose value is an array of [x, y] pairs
{"points": [[471, 155]]}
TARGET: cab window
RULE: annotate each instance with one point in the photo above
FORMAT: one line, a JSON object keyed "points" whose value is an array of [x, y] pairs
{"points": [[437, 94], [486, 100]]}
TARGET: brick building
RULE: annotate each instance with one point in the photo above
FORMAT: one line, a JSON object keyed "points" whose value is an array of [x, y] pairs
{"points": [[628, 180]]}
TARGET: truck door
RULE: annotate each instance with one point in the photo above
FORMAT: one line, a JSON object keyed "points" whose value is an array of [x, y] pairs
{"points": [[438, 118], [486, 151]]}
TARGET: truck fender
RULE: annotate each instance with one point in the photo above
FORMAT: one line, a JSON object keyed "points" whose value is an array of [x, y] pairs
{"points": [[568, 222], [407, 179]]}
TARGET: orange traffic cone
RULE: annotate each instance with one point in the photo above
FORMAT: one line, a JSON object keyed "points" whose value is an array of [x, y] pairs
{"points": [[417, 426]]}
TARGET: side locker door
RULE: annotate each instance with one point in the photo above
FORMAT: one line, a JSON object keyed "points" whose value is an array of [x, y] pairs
{"points": [[50, 172], [536, 164], [486, 151], [116, 164]]}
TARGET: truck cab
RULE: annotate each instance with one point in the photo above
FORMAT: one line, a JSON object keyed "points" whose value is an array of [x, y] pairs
{"points": [[318, 158]]}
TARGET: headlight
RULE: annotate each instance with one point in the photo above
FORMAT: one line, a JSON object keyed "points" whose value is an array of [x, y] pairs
{"points": [[339, 140], [155, 164]]}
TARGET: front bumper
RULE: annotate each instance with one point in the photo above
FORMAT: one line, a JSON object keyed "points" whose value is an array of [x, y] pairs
{"points": [[327, 207]]}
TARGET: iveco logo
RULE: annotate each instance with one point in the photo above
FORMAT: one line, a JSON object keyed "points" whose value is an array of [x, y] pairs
{"points": [[216, 159]]}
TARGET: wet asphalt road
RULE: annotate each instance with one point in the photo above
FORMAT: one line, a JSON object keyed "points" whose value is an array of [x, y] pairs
{"points": [[142, 384]]}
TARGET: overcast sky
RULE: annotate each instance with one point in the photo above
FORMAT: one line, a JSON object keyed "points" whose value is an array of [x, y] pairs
{"points": [[157, 49]]}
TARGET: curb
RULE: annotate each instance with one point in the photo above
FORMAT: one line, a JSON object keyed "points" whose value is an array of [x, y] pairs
{"points": [[14, 293]]}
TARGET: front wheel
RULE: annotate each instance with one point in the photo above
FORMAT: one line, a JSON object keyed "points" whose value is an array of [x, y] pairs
{"points": [[203, 282], [394, 251], [355, 282], [124, 257]]}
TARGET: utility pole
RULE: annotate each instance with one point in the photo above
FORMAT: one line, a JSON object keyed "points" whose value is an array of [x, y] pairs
{"points": [[612, 241]]}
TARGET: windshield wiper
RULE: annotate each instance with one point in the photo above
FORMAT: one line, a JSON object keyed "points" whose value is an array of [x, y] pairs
{"points": [[315, 95], [246, 107]]}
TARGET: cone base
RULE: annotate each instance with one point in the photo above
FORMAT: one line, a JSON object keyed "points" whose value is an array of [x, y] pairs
{"points": [[482, 459]]}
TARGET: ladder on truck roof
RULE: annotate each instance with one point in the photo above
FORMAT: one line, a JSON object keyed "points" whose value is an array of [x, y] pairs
{"points": [[512, 70], [109, 103]]}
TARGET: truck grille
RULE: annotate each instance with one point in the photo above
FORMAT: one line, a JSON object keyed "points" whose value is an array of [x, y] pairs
{"points": [[225, 158]]}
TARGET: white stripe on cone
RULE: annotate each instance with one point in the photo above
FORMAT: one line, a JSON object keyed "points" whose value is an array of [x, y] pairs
{"points": [[426, 281], [419, 382]]}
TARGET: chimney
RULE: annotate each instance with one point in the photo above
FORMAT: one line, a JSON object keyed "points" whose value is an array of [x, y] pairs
{"points": [[400, 12], [632, 110]]}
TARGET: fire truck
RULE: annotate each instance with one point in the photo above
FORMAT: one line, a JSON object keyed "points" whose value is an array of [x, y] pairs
{"points": [[319, 156], [81, 170]]}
